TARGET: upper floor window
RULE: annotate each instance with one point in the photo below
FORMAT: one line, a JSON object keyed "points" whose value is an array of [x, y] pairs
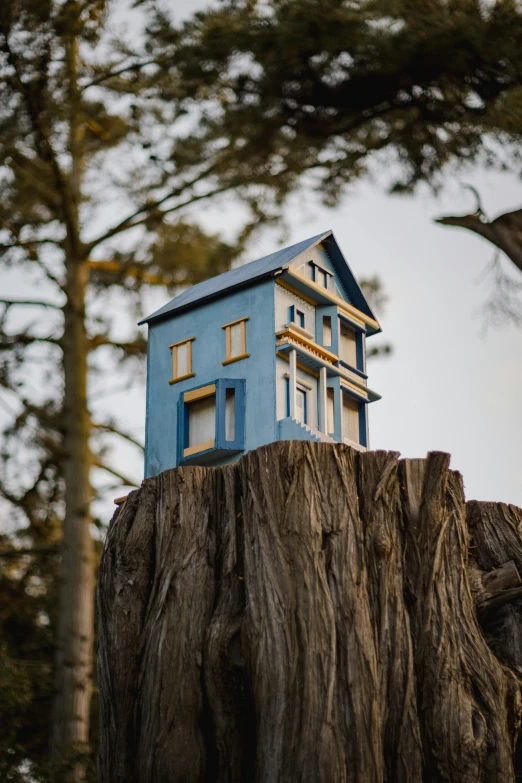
{"points": [[327, 330], [351, 347], [319, 275], [236, 341], [297, 316], [348, 346], [182, 360]]}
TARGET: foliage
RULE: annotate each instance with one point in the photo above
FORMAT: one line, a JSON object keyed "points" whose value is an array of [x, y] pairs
{"points": [[330, 87]]}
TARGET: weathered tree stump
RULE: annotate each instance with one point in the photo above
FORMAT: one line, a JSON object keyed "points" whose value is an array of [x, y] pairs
{"points": [[310, 614]]}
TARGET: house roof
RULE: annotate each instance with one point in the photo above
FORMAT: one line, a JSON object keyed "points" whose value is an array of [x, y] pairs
{"points": [[255, 271]]}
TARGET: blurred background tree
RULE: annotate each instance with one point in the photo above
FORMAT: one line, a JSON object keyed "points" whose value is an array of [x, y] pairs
{"points": [[107, 144]]}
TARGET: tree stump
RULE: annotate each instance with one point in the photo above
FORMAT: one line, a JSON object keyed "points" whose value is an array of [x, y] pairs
{"points": [[310, 614]]}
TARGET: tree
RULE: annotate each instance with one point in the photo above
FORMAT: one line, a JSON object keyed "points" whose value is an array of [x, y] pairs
{"points": [[505, 233], [338, 87], [311, 613], [95, 146]]}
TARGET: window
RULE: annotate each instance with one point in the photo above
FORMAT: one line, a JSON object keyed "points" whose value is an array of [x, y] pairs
{"points": [[318, 274], [235, 341], [348, 347], [301, 413], [330, 411], [327, 330], [201, 420], [350, 419], [211, 418], [182, 360], [230, 414], [297, 316]]}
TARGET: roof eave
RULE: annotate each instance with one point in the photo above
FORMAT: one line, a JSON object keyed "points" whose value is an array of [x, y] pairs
{"points": [[212, 297]]}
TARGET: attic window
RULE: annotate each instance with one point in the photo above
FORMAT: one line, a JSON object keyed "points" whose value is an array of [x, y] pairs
{"points": [[182, 360], [236, 341], [319, 275]]}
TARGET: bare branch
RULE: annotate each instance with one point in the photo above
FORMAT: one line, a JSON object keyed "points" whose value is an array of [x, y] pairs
{"points": [[161, 213], [115, 431], [505, 231], [113, 74], [22, 339], [152, 206], [14, 302], [124, 479], [11, 554], [133, 347]]}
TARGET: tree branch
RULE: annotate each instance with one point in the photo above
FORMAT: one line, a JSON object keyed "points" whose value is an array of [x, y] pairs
{"points": [[505, 232], [150, 207], [115, 431], [161, 213], [133, 347], [35, 550], [14, 302], [112, 74], [124, 479], [9, 341]]}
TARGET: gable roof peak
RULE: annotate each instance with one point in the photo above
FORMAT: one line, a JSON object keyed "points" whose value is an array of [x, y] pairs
{"points": [[239, 277]]}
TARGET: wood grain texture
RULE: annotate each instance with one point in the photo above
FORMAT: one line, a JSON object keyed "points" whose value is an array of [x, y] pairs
{"points": [[305, 615]]}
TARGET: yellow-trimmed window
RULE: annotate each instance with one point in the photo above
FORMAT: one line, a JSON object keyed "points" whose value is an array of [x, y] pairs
{"points": [[182, 360], [236, 341], [201, 410]]}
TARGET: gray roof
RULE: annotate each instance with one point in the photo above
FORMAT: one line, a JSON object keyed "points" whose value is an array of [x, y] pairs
{"points": [[240, 277]]}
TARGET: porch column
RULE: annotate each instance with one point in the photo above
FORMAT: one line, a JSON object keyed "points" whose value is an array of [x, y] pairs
{"points": [[322, 402], [292, 381]]}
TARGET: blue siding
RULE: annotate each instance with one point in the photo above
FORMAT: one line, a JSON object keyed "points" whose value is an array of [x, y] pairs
{"points": [[209, 350]]}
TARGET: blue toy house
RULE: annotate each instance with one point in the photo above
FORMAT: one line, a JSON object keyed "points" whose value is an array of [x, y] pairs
{"points": [[273, 350]]}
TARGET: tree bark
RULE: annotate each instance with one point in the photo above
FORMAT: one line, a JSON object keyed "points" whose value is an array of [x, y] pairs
{"points": [[75, 631], [75, 627], [308, 614]]}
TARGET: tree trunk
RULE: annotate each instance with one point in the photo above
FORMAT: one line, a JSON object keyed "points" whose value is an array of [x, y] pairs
{"points": [[75, 630], [309, 614], [75, 627]]}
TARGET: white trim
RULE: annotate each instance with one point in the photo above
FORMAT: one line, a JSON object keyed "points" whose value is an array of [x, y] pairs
{"points": [[322, 402], [302, 302], [292, 380], [300, 382]]}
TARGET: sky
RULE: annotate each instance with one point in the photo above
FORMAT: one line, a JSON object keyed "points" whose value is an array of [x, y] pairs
{"points": [[450, 384]]}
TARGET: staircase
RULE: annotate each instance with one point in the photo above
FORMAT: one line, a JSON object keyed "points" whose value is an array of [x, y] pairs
{"points": [[290, 429]]}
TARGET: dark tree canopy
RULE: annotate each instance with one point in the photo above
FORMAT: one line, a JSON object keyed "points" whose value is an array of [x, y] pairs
{"points": [[301, 85]]}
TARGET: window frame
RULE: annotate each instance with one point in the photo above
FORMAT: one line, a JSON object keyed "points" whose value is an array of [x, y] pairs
{"points": [[362, 413], [219, 443], [174, 348], [229, 359], [294, 314], [303, 387], [304, 391], [318, 270], [194, 395]]}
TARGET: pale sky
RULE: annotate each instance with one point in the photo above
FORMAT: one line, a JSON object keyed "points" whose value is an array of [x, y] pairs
{"points": [[448, 385]]}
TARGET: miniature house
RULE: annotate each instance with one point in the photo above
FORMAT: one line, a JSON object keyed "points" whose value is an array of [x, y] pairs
{"points": [[272, 350]]}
